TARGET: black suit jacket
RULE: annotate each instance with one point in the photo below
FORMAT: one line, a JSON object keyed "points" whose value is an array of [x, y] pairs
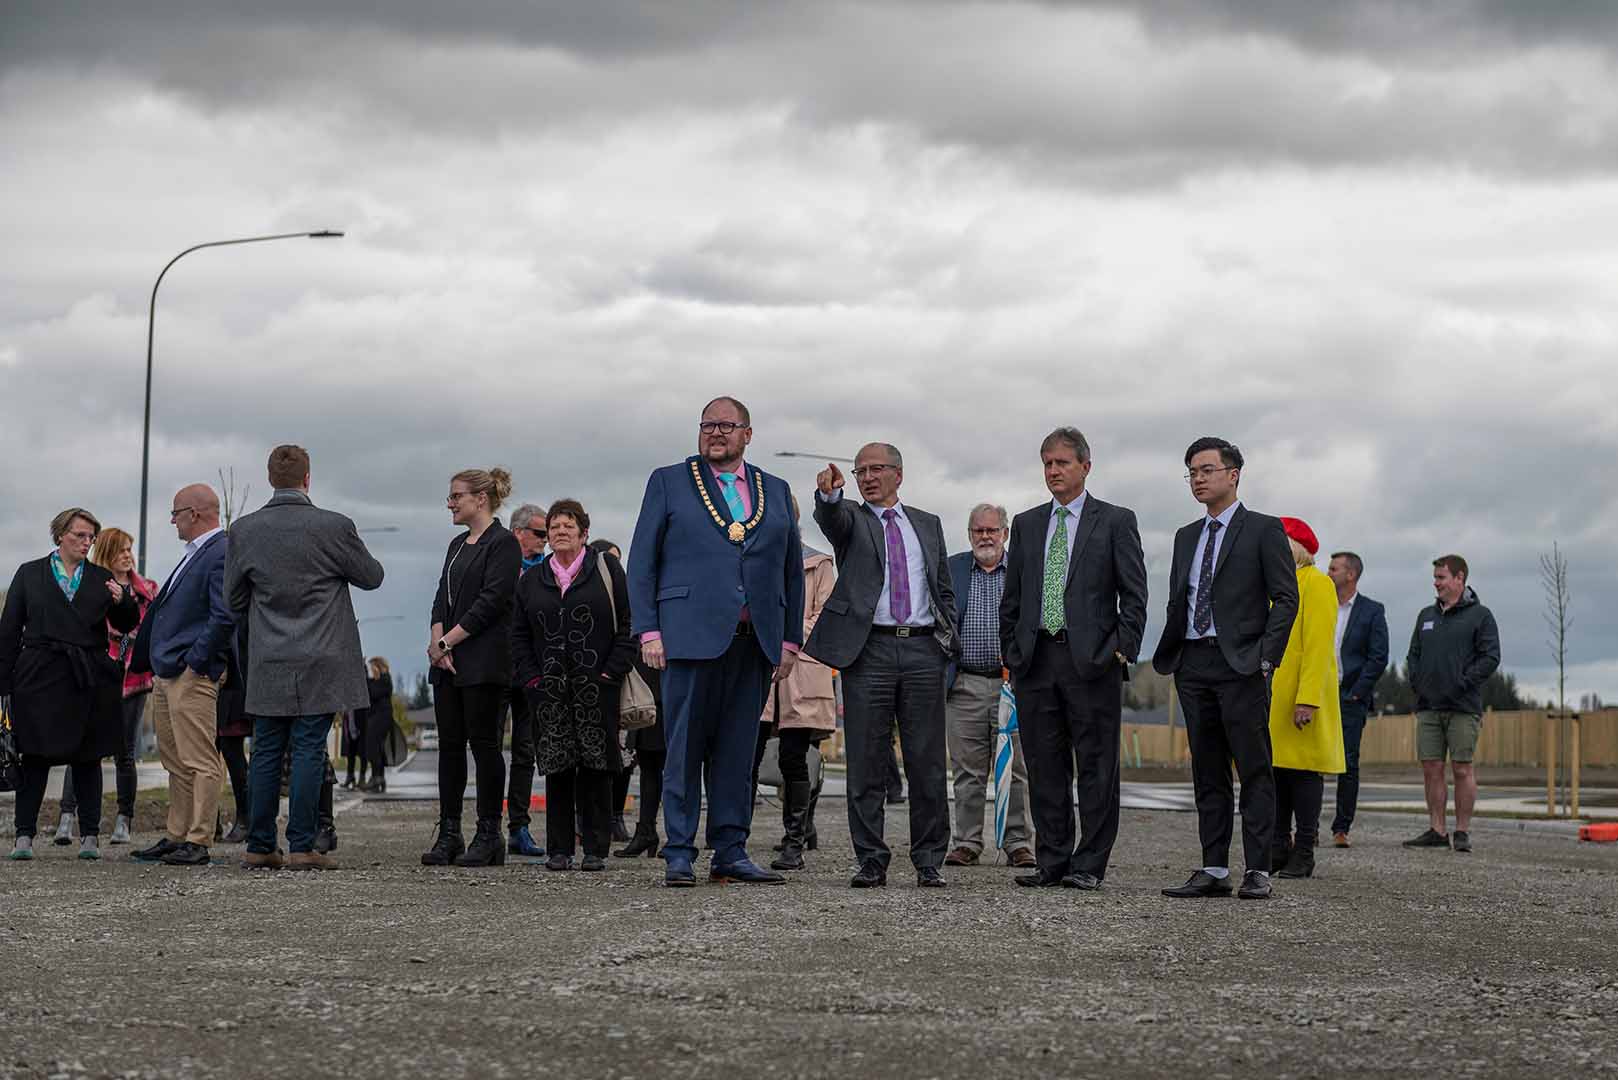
{"points": [[1105, 597], [860, 547], [1365, 650], [1255, 593], [481, 607]]}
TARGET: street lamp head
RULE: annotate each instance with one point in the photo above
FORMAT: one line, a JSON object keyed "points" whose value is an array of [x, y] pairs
{"points": [[325, 233]]}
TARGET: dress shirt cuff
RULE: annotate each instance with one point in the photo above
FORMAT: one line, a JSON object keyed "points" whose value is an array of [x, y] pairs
{"points": [[787, 646], [651, 635], [836, 496]]}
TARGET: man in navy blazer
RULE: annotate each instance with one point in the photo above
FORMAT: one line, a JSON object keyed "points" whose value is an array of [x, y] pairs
{"points": [[184, 642], [1362, 657], [716, 596]]}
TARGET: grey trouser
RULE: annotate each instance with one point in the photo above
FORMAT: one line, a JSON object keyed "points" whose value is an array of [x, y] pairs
{"points": [[972, 716]]}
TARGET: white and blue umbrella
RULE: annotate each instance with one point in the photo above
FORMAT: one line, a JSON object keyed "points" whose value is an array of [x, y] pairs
{"points": [[1002, 762]]}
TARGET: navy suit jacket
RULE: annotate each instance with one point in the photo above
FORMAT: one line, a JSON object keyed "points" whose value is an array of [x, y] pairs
{"points": [[1365, 650], [689, 582], [189, 624]]}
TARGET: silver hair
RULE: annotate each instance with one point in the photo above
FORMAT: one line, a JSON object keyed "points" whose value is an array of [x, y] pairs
{"points": [[1073, 437], [525, 513], [896, 459], [983, 508]]}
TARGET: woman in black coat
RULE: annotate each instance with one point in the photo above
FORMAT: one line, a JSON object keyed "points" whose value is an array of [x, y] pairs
{"points": [[572, 648], [379, 720], [66, 692], [470, 653]]}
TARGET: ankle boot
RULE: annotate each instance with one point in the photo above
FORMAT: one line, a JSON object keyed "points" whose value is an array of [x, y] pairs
{"points": [[448, 846], [644, 843], [1301, 863], [1280, 852], [796, 802], [486, 848], [811, 837]]}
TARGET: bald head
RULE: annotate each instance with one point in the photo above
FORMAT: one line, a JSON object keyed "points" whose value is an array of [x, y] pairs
{"points": [[195, 511]]}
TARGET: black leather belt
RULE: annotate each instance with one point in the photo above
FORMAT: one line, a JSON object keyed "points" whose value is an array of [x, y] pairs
{"points": [[982, 673], [1058, 635], [904, 631], [1205, 641]]}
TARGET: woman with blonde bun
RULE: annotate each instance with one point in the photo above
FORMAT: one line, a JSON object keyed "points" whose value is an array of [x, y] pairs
{"points": [[469, 648]]}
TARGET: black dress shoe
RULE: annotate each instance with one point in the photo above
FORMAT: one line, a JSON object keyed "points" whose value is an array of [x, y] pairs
{"points": [[1082, 880], [1039, 879], [928, 877], [187, 854], [871, 876], [593, 862], [1300, 864], [1200, 884], [156, 851], [1255, 886], [236, 835], [326, 840]]}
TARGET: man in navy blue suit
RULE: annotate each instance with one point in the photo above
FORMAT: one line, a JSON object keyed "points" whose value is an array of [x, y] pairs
{"points": [[716, 594], [184, 642], [1362, 657]]}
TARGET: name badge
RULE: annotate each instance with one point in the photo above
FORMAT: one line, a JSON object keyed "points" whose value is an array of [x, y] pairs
{"points": [[1428, 625]]}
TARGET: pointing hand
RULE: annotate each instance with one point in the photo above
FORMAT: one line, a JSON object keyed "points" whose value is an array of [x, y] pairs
{"points": [[830, 479]]}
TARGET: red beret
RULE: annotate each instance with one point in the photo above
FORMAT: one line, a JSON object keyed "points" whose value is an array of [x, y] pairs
{"points": [[1299, 530]]}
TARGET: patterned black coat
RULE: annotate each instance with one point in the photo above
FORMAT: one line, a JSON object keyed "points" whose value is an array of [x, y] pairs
{"points": [[571, 658]]}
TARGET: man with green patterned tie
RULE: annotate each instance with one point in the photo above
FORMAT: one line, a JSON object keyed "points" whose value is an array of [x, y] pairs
{"points": [[1071, 621]]}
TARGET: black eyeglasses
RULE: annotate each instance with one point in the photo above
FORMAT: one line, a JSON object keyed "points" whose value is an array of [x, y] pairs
{"points": [[1206, 471], [723, 427], [177, 511], [538, 534], [872, 470]]}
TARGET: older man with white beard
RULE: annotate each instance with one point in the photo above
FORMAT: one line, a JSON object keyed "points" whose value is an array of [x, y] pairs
{"points": [[972, 704]]}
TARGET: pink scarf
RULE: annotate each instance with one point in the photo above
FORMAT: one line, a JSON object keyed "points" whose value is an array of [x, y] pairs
{"points": [[566, 574]]}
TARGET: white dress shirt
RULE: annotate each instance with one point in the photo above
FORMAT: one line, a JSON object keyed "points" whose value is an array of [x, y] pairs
{"points": [[1344, 613], [191, 548], [921, 597], [1191, 633], [1074, 509]]}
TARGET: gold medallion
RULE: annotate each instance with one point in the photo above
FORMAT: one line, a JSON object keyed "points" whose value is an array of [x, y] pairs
{"points": [[737, 532]]}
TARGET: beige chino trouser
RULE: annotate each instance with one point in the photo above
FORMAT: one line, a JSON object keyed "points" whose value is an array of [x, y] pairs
{"points": [[972, 719], [185, 712]]}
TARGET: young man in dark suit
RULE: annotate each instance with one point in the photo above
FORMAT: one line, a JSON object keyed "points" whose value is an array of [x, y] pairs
{"points": [[716, 591], [1362, 657], [1233, 593], [1071, 621], [889, 627]]}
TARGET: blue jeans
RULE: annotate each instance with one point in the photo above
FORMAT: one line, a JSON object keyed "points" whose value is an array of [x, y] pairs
{"points": [[271, 734], [1348, 785]]}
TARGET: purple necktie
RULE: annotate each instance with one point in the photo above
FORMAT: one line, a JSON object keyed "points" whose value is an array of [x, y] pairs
{"points": [[898, 570]]}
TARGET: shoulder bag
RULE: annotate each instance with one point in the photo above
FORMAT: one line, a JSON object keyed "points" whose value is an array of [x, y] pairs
{"points": [[636, 707]]}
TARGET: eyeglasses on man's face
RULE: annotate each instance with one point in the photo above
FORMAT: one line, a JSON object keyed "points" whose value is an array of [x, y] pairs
{"points": [[537, 534], [990, 530], [863, 471], [174, 515], [1204, 472], [723, 427]]}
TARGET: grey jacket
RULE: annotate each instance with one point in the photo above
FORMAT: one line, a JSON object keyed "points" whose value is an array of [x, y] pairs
{"points": [[288, 574]]}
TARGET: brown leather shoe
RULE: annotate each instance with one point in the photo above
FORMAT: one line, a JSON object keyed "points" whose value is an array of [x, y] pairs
{"points": [[262, 860], [961, 856], [1023, 857], [310, 860], [1340, 839]]}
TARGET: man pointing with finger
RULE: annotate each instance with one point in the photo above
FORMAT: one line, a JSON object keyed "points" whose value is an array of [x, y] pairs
{"points": [[716, 593]]}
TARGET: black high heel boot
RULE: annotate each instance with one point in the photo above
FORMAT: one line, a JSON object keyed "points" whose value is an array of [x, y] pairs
{"points": [[796, 812], [487, 848], [449, 845], [811, 838], [644, 843]]}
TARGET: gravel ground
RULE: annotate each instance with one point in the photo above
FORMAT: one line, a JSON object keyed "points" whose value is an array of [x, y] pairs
{"points": [[1388, 963]]}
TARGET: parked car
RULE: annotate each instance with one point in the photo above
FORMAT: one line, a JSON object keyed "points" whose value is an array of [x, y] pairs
{"points": [[427, 739]]}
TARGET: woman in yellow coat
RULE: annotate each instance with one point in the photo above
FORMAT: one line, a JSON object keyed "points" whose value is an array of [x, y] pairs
{"points": [[1306, 723]]}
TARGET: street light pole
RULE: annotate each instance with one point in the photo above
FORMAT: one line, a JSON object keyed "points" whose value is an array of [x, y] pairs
{"points": [[151, 322]]}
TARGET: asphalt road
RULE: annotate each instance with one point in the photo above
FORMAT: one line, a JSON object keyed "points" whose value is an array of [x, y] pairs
{"points": [[1390, 962]]}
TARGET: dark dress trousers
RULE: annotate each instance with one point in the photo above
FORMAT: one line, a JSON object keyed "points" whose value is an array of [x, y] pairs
{"points": [[1223, 690], [1069, 685], [888, 676], [1363, 658], [66, 692], [725, 610]]}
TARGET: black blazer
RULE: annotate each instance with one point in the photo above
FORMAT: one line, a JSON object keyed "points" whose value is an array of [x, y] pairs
{"points": [[1255, 593], [1365, 650], [861, 549], [482, 606], [1105, 597]]}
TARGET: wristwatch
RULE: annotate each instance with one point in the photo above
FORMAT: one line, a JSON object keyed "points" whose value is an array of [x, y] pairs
{"points": [[1265, 666], [443, 645]]}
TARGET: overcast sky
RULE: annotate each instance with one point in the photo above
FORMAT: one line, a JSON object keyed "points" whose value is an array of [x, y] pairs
{"points": [[1372, 243]]}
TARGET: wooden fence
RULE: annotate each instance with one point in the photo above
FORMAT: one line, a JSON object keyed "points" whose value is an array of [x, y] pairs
{"points": [[1508, 738]]}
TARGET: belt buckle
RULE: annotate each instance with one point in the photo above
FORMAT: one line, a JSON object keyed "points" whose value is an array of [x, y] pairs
{"points": [[902, 631]]}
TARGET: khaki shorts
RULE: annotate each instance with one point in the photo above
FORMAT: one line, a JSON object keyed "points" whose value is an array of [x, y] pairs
{"points": [[1456, 732]]}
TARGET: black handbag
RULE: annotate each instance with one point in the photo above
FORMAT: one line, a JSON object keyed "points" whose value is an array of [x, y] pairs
{"points": [[10, 760]]}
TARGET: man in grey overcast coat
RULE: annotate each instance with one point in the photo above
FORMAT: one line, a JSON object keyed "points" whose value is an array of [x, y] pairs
{"points": [[290, 567]]}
